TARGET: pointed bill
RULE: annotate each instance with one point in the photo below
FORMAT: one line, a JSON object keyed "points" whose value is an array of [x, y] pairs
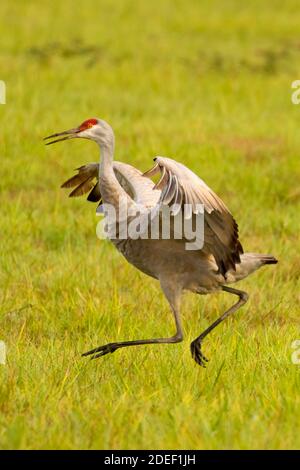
{"points": [[65, 135]]}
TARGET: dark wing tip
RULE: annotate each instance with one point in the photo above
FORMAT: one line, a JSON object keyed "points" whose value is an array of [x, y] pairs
{"points": [[95, 195]]}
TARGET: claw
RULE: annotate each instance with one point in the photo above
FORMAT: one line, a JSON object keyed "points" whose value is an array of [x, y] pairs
{"points": [[197, 354], [101, 351]]}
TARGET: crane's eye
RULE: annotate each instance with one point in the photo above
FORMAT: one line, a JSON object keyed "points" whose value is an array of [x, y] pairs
{"points": [[88, 124]]}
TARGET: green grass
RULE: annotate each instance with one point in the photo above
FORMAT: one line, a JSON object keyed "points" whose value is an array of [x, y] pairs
{"points": [[207, 83]]}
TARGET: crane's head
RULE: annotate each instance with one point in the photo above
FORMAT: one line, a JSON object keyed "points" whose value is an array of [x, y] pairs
{"points": [[93, 129]]}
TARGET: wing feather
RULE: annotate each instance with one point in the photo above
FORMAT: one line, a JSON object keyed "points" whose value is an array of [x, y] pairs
{"points": [[180, 185], [140, 189]]}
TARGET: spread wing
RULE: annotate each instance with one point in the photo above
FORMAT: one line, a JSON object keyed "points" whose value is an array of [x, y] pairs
{"points": [[140, 189], [179, 186]]}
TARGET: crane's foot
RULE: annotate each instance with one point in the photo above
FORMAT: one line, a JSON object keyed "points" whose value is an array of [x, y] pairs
{"points": [[197, 354], [101, 350]]}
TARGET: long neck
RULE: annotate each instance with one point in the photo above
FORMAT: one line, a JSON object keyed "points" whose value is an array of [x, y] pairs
{"points": [[110, 188], [106, 159]]}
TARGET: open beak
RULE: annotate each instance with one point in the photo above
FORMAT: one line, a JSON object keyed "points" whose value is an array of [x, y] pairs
{"points": [[66, 135]]}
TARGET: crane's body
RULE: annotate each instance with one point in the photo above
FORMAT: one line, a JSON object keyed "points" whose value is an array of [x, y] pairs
{"points": [[218, 263]]}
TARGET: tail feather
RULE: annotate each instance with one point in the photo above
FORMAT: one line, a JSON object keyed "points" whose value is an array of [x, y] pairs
{"points": [[250, 262], [268, 259]]}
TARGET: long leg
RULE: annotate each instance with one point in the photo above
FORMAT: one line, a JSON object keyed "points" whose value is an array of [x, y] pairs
{"points": [[173, 295], [196, 344]]}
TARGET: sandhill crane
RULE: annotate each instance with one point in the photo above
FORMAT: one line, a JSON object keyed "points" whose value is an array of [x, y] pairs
{"points": [[221, 260]]}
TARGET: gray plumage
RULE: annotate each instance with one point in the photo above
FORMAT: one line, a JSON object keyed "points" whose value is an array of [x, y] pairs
{"points": [[220, 262]]}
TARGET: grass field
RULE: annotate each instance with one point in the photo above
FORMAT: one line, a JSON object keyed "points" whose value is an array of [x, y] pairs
{"points": [[207, 83]]}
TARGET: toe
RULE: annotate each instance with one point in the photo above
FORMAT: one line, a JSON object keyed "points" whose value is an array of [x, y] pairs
{"points": [[100, 351], [197, 354]]}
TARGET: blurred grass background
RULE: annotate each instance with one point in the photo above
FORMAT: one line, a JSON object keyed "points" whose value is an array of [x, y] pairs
{"points": [[209, 84]]}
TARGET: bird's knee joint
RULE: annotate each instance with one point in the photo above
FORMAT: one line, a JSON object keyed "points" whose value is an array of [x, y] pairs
{"points": [[177, 338], [244, 297]]}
